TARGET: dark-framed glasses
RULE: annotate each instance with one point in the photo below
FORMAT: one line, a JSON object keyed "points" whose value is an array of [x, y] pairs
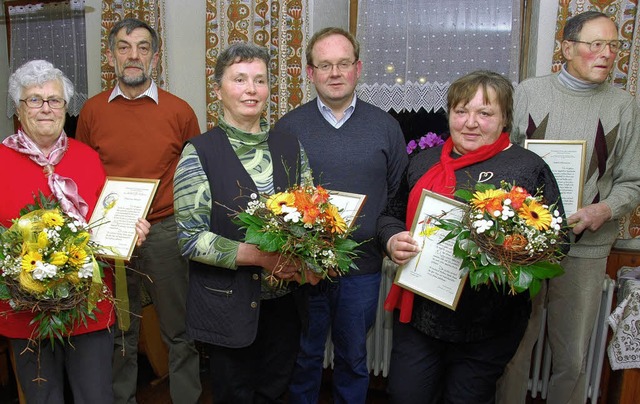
{"points": [[37, 102], [343, 66], [598, 45]]}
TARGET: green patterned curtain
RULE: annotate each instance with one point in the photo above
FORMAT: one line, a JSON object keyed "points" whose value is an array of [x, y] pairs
{"points": [[149, 11], [625, 71], [281, 26]]}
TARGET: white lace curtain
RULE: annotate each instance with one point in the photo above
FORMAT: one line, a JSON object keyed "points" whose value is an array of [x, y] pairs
{"points": [[53, 31], [412, 49]]}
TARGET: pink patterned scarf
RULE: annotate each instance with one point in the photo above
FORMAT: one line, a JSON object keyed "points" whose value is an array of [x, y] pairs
{"points": [[64, 189]]}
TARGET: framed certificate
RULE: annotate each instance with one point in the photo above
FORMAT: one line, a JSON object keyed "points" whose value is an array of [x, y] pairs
{"points": [[113, 222], [434, 273], [566, 158], [348, 204]]}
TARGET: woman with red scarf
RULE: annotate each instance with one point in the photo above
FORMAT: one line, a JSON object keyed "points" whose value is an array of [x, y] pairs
{"points": [[441, 355], [41, 158]]}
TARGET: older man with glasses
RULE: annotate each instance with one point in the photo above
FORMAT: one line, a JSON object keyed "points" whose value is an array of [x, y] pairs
{"points": [[578, 104]]}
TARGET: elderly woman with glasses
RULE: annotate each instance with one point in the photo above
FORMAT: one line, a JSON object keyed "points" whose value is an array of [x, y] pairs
{"points": [[40, 158]]}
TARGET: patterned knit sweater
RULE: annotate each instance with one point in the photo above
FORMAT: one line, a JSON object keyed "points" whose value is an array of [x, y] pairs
{"points": [[607, 118]]}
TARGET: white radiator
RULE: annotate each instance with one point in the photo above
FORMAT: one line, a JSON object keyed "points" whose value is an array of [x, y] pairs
{"points": [[541, 363], [379, 338]]}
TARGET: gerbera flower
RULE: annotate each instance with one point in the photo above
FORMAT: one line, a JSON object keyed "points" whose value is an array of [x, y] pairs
{"points": [[52, 218], [489, 200], [77, 256], [335, 222], [276, 201], [29, 260], [535, 215]]}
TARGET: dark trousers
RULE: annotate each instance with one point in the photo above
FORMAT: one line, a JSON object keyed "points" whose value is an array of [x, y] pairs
{"points": [[86, 360], [260, 372], [425, 370], [158, 263]]}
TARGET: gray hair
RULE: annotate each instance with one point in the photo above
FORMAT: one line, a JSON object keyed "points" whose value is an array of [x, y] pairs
{"points": [[129, 24], [37, 73], [236, 53], [574, 25]]}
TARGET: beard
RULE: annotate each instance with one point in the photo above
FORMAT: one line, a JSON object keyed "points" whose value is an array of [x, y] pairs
{"points": [[134, 81]]}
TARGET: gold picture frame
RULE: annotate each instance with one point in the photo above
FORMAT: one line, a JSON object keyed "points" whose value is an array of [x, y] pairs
{"points": [[566, 158], [121, 203], [434, 273]]}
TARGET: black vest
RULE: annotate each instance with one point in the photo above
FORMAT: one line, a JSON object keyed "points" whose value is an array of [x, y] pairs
{"points": [[223, 304]]}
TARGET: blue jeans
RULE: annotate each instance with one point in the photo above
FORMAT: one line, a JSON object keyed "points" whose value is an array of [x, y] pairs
{"points": [[347, 306]]}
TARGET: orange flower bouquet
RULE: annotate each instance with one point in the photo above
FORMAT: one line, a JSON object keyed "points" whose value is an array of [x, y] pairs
{"points": [[302, 224], [507, 237]]}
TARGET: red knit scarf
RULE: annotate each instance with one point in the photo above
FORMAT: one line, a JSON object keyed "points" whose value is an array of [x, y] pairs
{"points": [[440, 178]]}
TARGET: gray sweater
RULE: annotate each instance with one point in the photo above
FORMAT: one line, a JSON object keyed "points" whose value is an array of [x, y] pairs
{"points": [[607, 118]]}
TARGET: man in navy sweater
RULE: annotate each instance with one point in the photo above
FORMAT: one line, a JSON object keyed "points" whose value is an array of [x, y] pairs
{"points": [[353, 147]]}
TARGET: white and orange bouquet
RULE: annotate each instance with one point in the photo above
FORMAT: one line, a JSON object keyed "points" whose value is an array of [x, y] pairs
{"points": [[48, 267], [507, 237], [302, 224]]}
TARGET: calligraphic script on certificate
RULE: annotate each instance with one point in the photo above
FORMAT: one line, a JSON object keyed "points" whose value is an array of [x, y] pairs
{"points": [[566, 158], [434, 273], [122, 201], [348, 204]]}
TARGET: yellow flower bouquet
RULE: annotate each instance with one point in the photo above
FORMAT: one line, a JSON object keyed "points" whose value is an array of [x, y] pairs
{"points": [[507, 237], [301, 223], [48, 267]]}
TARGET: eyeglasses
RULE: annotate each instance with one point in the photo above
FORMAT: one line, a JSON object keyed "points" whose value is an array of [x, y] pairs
{"points": [[343, 66], [37, 102], [598, 45]]}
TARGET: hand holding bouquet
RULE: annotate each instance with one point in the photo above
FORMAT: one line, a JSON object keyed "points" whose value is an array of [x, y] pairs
{"points": [[48, 267], [507, 237], [301, 224]]}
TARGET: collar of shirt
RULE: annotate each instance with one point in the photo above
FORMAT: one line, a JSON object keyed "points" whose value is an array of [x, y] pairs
{"points": [[151, 92], [574, 83], [328, 115]]}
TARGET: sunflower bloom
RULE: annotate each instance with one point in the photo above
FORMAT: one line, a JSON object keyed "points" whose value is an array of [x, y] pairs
{"points": [[488, 200], [52, 218], [334, 220], [29, 261], [276, 201], [535, 215]]}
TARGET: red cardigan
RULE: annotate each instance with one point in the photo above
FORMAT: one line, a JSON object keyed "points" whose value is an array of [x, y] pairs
{"points": [[21, 178]]}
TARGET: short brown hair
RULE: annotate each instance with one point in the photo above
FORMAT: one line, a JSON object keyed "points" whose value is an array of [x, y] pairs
{"points": [[325, 32], [465, 88]]}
